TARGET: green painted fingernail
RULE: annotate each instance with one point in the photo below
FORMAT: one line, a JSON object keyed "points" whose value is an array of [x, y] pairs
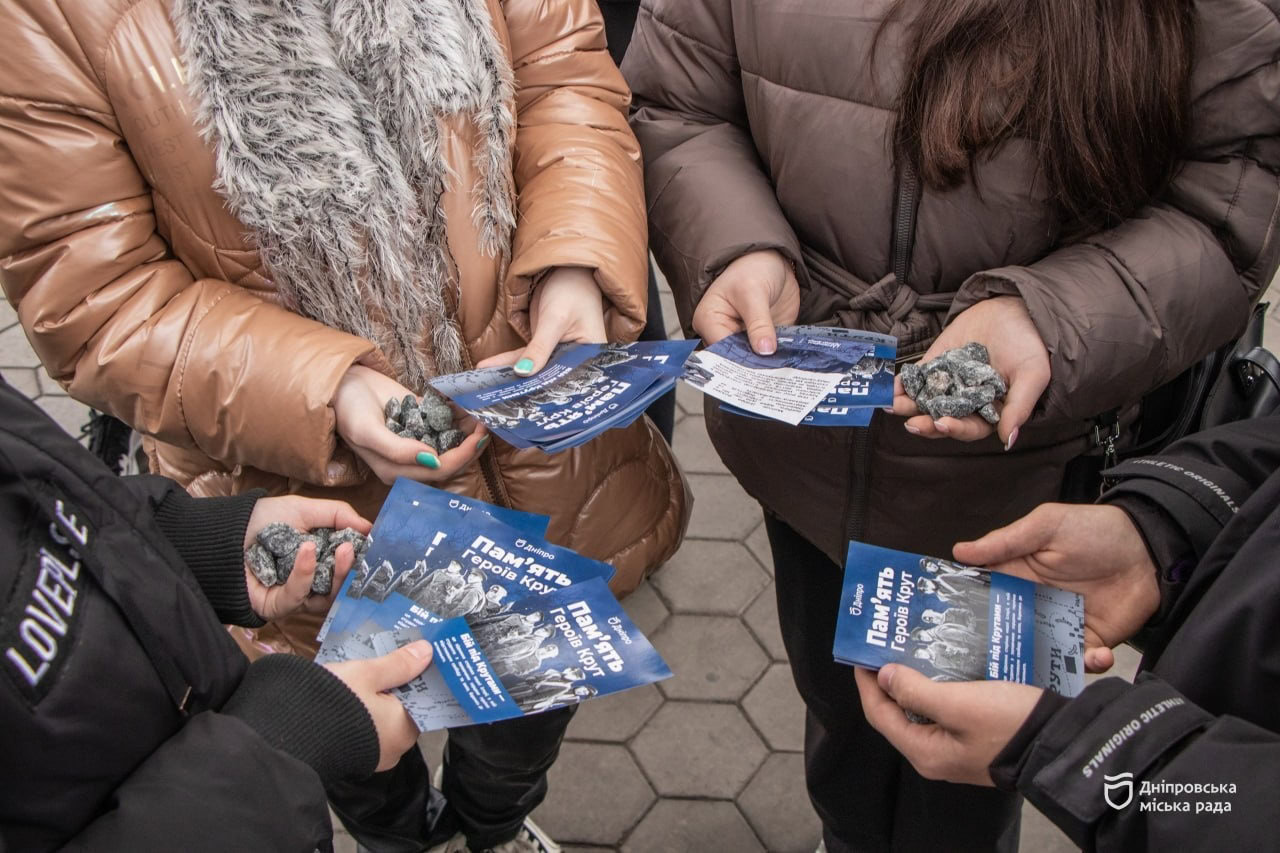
{"points": [[524, 365], [428, 460], [482, 442]]}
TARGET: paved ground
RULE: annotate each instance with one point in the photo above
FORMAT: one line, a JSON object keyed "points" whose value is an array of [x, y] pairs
{"points": [[709, 760]]}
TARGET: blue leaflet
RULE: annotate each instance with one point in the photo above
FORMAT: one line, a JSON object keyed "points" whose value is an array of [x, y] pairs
{"points": [[427, 548], [864, 359], [956, 623], [583, 391], [545, 652]]}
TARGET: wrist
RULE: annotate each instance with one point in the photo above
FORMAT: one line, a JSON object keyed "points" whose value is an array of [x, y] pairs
{"points": [[302, 709]]}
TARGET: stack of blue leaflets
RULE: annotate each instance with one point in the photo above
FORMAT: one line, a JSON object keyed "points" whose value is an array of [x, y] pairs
{"points": [[957, 623], [819, 375], [518, 625], [584, 390]]}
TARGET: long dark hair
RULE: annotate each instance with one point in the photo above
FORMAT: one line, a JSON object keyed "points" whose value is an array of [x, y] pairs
{"points": [[1099, 87]]}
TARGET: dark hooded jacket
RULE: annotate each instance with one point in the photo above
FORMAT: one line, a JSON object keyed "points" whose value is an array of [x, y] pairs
{"points": [[763, 127], [1199, 733], [131, 720]]}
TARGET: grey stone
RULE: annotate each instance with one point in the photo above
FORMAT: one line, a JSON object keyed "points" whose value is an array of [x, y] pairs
{"points": [[645, 609], [777, 806], [414, 423], [721, 509], [777, 709], [407, 433], [713, 657], [322, 580], [699, 749], [762, 618], [393, 425], [681, 826], [437, 414], [956, 384], [595, 794], [937, 382], [391, 411], [449, 439], [262, 564], [710, 577], [279, 538], [615, 718]]}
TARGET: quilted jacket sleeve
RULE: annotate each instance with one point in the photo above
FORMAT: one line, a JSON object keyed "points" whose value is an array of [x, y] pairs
{"points": [[1128, 309], [577, 164], [114, 317], [710, 200]]}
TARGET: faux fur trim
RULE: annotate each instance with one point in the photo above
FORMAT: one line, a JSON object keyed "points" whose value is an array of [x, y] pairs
{"points": [[325, 119]]}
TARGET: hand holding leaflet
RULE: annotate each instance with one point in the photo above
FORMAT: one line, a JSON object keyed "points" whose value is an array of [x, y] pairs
{"points": [[819, 376], [545, 652], [584, 390], [956, 623]]}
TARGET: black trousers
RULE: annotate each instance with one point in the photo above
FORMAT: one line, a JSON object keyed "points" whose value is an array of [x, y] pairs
{"points": [[495, 775], [866, 794]]}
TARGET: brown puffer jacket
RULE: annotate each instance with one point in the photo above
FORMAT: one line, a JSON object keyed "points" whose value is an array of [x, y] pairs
{"points": [[762, 127], [163, 276]]}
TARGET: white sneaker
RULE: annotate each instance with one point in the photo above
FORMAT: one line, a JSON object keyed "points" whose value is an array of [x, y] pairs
{"points": [[531, 839]]}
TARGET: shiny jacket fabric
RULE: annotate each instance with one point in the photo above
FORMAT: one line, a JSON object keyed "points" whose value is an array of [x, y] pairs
{"points": [[145, 296], [763, 127]]}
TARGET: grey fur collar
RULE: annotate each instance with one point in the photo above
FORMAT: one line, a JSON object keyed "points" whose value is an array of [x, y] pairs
{"points": [[323, 115]]}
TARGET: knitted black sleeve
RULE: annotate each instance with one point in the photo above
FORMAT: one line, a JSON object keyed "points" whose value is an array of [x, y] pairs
{"points": [[302, 709], [209, 534]]}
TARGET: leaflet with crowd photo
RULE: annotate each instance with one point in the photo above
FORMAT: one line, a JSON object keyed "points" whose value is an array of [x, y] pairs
{"points": [[819, 375], [416, 498], [958, 623], [584, 390], [543, 652], [427, 563]]}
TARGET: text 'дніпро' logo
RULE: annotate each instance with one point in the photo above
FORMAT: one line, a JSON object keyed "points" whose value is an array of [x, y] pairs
{"points": [[1117, 790]]}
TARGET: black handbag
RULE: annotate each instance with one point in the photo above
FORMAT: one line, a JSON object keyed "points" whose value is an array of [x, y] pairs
{"points": [[1239, 381]]}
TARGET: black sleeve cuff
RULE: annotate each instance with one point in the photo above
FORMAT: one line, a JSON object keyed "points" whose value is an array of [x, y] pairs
{"points": [[1171, 550], [1008, 764], [209, 535], [1113, 729], [304, 710]]}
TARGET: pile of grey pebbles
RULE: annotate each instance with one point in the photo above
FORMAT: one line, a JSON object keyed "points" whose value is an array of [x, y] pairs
{"points": [[430, 421], [955, 384], [271, 558]]}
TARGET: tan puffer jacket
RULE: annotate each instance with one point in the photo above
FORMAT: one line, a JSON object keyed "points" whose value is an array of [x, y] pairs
{"points": [[130, 244]]}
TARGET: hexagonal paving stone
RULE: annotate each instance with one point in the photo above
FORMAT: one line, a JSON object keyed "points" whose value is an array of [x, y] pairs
{"points": [[48, 387], [689, 399], [615, 718], [777, 709], [645, 609], [778, 807], [694, 449], [8, 316], [721, 509], [14, 349], [595, 795], [713, 657], [23, 379], [676, 826], [70, 414], [710, 577], [758, 544], [762, 618], [670, 317], [697, 749]]}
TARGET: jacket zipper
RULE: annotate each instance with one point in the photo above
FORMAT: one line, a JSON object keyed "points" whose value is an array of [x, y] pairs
{"points": [[904, 235]]}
